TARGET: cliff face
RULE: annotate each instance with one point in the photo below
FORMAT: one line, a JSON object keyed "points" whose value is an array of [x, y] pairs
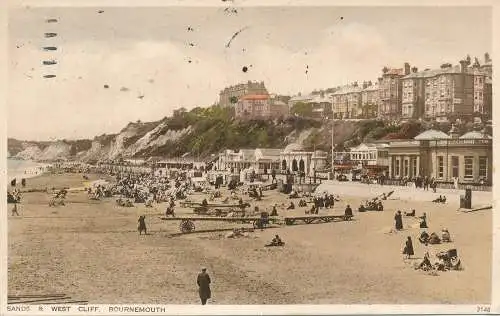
{"points": [[31, 152], [133, 139]]}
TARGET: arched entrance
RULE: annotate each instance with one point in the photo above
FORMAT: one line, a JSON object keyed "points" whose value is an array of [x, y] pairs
{"points": [[294, 165], [302, 165], [283, 165]]}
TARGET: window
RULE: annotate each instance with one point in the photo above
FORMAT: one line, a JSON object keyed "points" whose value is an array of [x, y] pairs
{"points": [[454, 166], [414, 166], [440, 167], [483, 167], [468, 165], [396, 171], [406, 167]]}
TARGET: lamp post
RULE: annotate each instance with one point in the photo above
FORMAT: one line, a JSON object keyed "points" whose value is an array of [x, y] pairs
{"points": [[332, 139]]}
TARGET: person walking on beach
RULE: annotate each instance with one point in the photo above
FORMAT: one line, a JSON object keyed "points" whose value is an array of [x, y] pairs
{"points": [[14, 210], [399, 220], [348, 212], [408, 250], [203, 282], [142, 225]]}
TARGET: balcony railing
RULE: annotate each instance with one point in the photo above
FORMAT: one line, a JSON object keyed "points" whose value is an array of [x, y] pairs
{"points": [[405, 143], [448, 142]]}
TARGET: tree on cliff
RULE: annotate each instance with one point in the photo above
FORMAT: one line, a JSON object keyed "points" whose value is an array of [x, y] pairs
{"points": [[302, 109]]}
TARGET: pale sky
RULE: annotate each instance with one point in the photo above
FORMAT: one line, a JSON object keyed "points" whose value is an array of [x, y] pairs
{"points": [[147, 50]]}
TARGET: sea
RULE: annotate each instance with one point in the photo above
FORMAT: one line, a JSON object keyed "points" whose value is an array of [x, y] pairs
{"points": [[18, 169]]}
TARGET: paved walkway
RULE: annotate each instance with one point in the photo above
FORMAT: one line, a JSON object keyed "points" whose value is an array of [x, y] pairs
{"points": [[479, 198]]}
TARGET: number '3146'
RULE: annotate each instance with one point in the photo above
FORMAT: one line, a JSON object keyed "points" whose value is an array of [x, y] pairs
{"points": [[483, 309]]}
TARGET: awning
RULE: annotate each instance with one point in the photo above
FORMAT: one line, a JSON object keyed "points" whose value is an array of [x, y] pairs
{"points": [[344, 167], [375, 167]]}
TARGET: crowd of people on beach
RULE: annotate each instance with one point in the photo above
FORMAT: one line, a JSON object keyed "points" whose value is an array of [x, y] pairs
{"points": [[445, 260], [149, 189]]}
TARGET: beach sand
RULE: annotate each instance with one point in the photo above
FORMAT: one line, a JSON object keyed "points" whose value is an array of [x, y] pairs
{"points": [[91, 250]]}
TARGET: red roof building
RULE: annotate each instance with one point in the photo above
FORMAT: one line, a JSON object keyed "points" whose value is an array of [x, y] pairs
{"points": [[259, 106]]}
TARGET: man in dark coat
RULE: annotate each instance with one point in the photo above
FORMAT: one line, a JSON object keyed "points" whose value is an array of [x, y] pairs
{"points": [[348, 212], [203, 282], [399, 220], [423, 222], [142, 225]]}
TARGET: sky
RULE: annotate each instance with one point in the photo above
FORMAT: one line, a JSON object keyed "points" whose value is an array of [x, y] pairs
{"points": [[154, 60]]}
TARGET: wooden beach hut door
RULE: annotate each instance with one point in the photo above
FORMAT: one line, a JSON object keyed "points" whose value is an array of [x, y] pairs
{"points": [[283, 165], [302, 166]]}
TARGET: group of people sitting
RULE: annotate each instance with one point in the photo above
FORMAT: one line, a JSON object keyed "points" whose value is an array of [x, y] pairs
{"points": [[14, 196], [97, 193], [371, 206], [440, 199], [446, 260], [276, 242], [124, 202], [433, 238], [58, 198], [293, 195], [253, 193]]}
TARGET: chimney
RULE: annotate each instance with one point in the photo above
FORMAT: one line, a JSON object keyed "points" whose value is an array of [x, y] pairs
{"points": [[414, 69], [355, 84], [365, 84], [463, 66], [407, 68], [487, 58]]}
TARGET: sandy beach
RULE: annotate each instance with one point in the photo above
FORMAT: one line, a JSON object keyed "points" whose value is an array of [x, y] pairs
{"points": [[91, 250]]}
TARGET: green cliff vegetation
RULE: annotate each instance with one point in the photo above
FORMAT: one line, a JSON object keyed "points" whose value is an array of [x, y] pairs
{"points": [[214, 129]]}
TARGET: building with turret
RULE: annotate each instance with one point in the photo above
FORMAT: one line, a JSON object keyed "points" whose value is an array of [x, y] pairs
{"points": [[230, 95]]}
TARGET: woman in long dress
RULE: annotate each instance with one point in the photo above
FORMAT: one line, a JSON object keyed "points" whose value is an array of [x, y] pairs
{"points": [[399, 220], [408, 250]]}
